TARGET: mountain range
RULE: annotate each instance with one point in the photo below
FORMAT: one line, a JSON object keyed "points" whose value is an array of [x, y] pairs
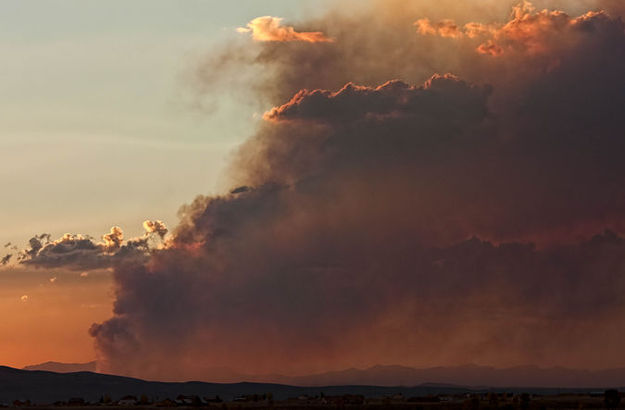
{"points": [[41, 387], [49, 387], [58, 367], [469, 375]]}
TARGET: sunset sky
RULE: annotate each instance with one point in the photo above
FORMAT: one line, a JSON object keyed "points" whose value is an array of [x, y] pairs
{"points": [[199, 188], [96, 105]]}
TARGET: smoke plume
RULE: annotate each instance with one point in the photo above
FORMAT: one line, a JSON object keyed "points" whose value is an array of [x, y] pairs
{"points": [[389, 214]]}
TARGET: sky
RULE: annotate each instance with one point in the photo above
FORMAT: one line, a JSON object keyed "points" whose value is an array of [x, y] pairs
{"points": [[96, 104], [201, 190], [98, 92]]}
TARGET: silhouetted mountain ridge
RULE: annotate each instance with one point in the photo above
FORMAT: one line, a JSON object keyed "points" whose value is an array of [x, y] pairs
{"points": [[58, 367], [48, 387], [396, 375], [468, 375]]}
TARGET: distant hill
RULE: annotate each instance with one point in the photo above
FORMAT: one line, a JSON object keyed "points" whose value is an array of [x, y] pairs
{"points": [[63, 367], [47, 387], [470, 375], [389, 376]]}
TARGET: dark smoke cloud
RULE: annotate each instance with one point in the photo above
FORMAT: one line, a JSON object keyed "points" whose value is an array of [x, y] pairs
{"points": [[377, 221], [80, 252]]}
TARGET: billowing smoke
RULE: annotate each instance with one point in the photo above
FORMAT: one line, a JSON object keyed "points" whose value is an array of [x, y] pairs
{"points": [[388, 216]]}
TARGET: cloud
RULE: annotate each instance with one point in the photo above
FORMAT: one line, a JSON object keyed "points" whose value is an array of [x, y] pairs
{"points": [[6, 259], [79, 252], [269, 28], [114, 239], [444, 28], [475, 217], [391, 99], [10, 245], [529, 31], [157, 227]]}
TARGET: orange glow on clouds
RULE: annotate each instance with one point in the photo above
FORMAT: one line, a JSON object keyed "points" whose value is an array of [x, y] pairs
{"points": [[114, 239], [444, 28], [528, 30], [269, 28]]}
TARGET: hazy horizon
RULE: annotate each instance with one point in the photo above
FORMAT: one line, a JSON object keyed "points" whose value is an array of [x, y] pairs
{"points": [[467, 376]]}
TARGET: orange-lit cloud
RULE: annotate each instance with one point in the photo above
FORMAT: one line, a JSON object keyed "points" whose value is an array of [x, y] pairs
{"points": [[491, 48], [157, 227], [114, 239], [444, 28], [391, 99], [269, 28], [529, 30]]}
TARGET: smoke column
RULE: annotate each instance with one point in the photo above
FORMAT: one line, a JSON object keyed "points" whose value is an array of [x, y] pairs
{"points": [[387, 212]]}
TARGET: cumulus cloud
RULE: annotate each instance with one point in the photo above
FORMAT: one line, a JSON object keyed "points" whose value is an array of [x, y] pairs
{"points": [[157, 227], [114, 239], [391, 99], [474, 217], [81, 252], [529, 30], [269, 28]]}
